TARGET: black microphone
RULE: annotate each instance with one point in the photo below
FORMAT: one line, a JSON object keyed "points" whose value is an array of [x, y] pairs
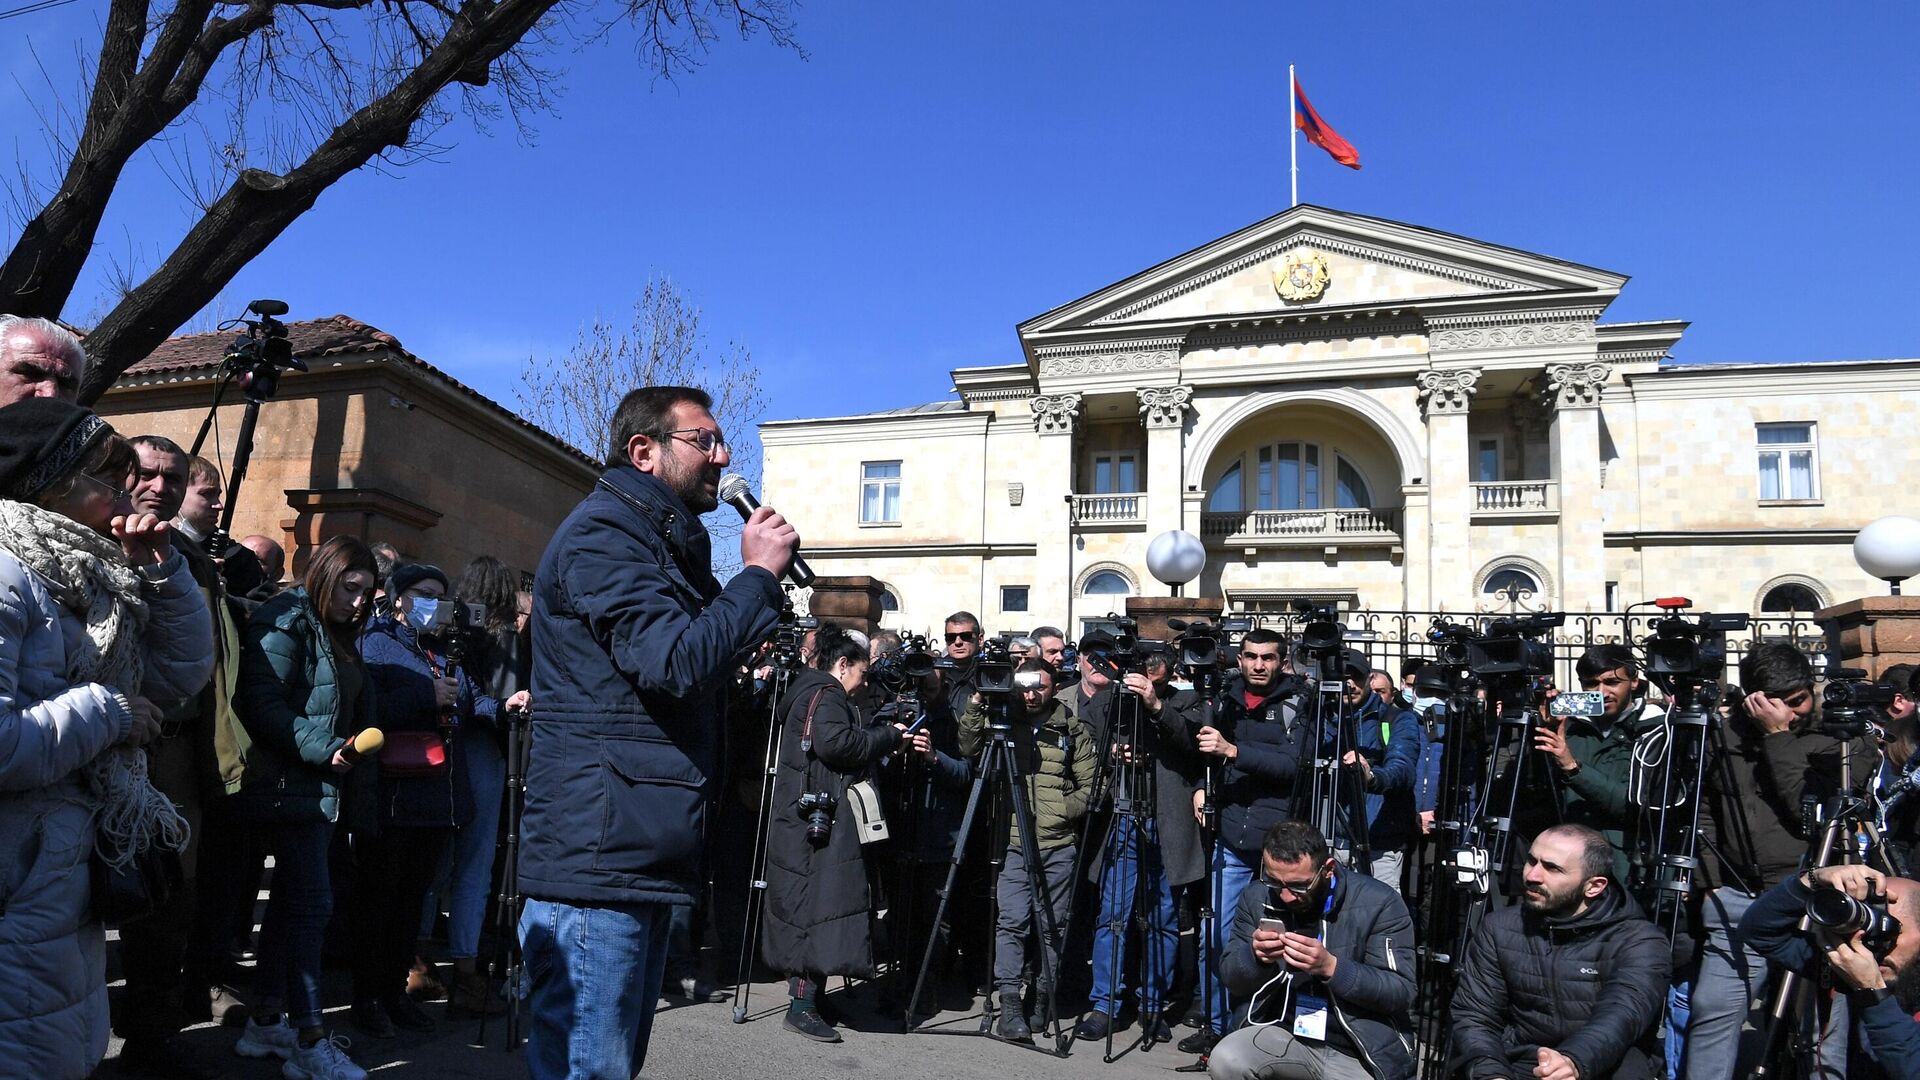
{"points": [[735, 493]]}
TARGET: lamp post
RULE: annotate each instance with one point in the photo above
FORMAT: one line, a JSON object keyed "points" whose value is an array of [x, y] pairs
{"points": [[1889, 549], [1176, 557]]}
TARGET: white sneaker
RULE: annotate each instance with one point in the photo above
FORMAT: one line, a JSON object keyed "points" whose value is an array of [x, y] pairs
{"points": [[324, 1060], [267, 1040]]}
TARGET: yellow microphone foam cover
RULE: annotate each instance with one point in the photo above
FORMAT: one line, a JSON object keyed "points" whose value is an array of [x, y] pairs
{"points": [[369, 740]]}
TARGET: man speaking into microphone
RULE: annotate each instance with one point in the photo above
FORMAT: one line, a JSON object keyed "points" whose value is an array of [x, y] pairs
{"points": [[634, 643]]}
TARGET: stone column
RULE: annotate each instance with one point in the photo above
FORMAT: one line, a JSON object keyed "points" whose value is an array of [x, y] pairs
{"points": [[1048, 481], [847, 601], [1164, 411], [1875, 632], [1574, 391], [1447, 394]]}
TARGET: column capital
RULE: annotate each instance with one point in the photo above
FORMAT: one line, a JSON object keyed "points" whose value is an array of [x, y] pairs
{"points": [[1053, 414], [1165, 406], [1576, 386], [1448, 390]]}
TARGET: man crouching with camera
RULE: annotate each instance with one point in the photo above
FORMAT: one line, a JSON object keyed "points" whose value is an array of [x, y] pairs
{"points": [[1866, 927], [1325, 958]]}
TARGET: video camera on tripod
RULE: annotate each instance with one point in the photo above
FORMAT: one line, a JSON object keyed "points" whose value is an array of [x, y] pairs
{"points": [[993, 669], [789, 634], [1850, 704], [253, 361], [1682, 648], [1118, 652]]}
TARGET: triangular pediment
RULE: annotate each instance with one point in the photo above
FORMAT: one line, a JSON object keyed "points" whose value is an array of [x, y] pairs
{"points": [[1368, 262]]}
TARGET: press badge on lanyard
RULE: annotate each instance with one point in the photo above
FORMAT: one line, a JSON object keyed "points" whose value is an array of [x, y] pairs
{"points": [[1310, 1010]]}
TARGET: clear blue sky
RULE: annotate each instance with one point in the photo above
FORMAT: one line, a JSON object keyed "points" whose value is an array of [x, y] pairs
{"points": [[935, 173]]}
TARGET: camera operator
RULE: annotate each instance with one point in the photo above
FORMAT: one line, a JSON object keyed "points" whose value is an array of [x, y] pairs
{"points": [[1879, 977], [1592, 755], [1057, 758], [1257, 734], [1157, 849], [1899, 771], [1049, 644], [1325, 957], [957, 679], [1753, 836], [819, 905], [1567, 984], [1427, 780], [1385, 759]]}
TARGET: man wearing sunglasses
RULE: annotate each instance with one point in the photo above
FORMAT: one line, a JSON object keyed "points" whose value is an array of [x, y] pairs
{"points": [[1324, 956]]}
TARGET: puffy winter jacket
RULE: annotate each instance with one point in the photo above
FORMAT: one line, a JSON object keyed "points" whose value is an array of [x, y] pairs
{"points": [[1596, 794], [634, 646], [1396, 763], [1590, 986], [53, 1003], [1055, 754], [1256, 787], [403, 678], [289, 700], [1368, 928]]}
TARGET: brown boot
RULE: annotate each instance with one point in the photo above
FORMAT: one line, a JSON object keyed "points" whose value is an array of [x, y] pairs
{"points": [[422, 984], [473, 993]]}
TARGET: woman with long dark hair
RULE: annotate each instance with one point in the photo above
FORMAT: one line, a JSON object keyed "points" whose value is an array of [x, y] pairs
{"points": [[98, 614], [303, 694], [819, 905]]}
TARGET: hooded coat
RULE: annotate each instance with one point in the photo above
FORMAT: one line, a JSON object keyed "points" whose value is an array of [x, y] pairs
{"points": [[819, 905]]}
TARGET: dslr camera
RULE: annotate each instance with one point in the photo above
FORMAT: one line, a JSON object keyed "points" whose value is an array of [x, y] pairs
{"points": [[1839, 916], [816, 807]]}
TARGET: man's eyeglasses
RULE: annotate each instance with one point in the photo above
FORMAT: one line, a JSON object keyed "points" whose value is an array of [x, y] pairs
{"points": [[964, 635], [707, 441], [118, 493], [1297, 888]]}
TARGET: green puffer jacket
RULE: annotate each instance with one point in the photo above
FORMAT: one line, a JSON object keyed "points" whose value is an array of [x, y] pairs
{"points": [[289, 701], [1056, 756], [1596, 795]]}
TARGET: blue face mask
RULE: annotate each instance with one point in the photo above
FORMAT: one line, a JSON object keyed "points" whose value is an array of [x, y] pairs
{"points": [[420, 612]]}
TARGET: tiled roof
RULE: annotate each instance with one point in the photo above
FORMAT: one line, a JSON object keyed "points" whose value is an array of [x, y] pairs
{"points": [[315, 339]]}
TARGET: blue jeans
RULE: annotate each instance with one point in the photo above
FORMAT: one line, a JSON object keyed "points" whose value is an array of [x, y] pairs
{"points": [[287, 975], [593, 979], [1128, 862], [1232, 872]]}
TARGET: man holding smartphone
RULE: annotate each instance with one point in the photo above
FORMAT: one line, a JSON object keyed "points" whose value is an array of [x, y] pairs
{"points": [[1592, 755], [1325, 956]]}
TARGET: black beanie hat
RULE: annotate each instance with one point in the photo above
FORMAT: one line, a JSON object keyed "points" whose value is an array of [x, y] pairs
{"points": [[42, 440], [407, 575]]}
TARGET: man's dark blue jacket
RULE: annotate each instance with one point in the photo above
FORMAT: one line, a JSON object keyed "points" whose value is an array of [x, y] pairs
{"points": [[1256, 787], [1396, 760], [634, 645]]}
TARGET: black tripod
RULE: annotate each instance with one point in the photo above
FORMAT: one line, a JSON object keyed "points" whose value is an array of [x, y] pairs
{"points": [[786, 663], [1335, 792], [1206, 686], [254, 361], [506, 912], [1456, 878], [1850, 820], [1000, 765]]}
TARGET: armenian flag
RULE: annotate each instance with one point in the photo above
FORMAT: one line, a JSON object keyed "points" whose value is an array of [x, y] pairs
{"points": [[1307, 119]]}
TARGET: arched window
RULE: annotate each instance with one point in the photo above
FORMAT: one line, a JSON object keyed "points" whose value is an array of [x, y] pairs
{"points": [[1354, 493], [1225, 497], [1106, 583], [1791, 597], [1511, 584], [888, 601]]}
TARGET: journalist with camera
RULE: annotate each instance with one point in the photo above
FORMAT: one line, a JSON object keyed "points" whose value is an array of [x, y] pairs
{"points": [[1384, 761], [819, 915], [1567, 984], [1056, 760], [1324, 958], [1258, 741], [1862, 935], [1151, 850], [1754, 835], [1591, 756]]}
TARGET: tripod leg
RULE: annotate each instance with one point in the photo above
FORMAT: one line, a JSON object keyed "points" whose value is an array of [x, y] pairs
{"points": [[1040, 911], [757, 879], [940, 928]]}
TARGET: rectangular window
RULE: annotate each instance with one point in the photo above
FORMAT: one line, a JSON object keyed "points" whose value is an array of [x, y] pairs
{"points": [[879, 492], [1789, 462], [1613, 596], [1486, 461], [1289, 477], [1115, 474], [1013, 597]]}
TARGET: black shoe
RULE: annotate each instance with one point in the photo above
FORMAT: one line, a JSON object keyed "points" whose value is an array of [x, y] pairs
{"points": [[166, 1058], [407, 1014], [807, 1023], [1200, 1042], [1041, 1018], [1095, 1026], [1154, 1030], [697, 992], [372, 1020], [1013, 1027]]}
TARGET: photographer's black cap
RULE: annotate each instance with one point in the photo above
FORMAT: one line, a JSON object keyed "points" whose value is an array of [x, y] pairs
{"points": [[42, 440], [407, 576]]}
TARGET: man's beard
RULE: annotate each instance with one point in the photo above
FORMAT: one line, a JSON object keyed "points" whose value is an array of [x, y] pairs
{"points": [[1545, 903], [691, 484], [1906, 987]]}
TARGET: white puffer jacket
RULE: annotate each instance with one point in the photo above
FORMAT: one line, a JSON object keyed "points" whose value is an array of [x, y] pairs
{"points": [[53, 995]]}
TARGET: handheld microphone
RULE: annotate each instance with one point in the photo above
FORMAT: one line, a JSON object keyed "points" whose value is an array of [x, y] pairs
{"points": [[368, 741], [735, 493]]}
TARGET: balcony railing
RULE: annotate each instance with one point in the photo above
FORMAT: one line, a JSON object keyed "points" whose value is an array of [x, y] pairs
{"points": [[1280, 527], [1516, 498], [1105, 511]]}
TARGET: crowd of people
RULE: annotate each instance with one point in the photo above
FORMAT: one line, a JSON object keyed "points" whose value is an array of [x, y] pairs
{"points": [[1146, 853]]}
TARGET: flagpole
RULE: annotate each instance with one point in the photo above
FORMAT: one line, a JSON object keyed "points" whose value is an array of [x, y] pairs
{"points": [[1293, 134]]}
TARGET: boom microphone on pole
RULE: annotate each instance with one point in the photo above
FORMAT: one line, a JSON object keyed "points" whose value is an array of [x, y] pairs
{"points": [[735, 493]]}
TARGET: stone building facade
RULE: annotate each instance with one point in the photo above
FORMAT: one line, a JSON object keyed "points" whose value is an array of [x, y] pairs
{"points": [[372, 442], [1357, 410]]}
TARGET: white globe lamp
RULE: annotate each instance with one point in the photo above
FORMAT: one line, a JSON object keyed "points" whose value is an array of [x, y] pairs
{"points": [[1889, 549], [1176, 557]]}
